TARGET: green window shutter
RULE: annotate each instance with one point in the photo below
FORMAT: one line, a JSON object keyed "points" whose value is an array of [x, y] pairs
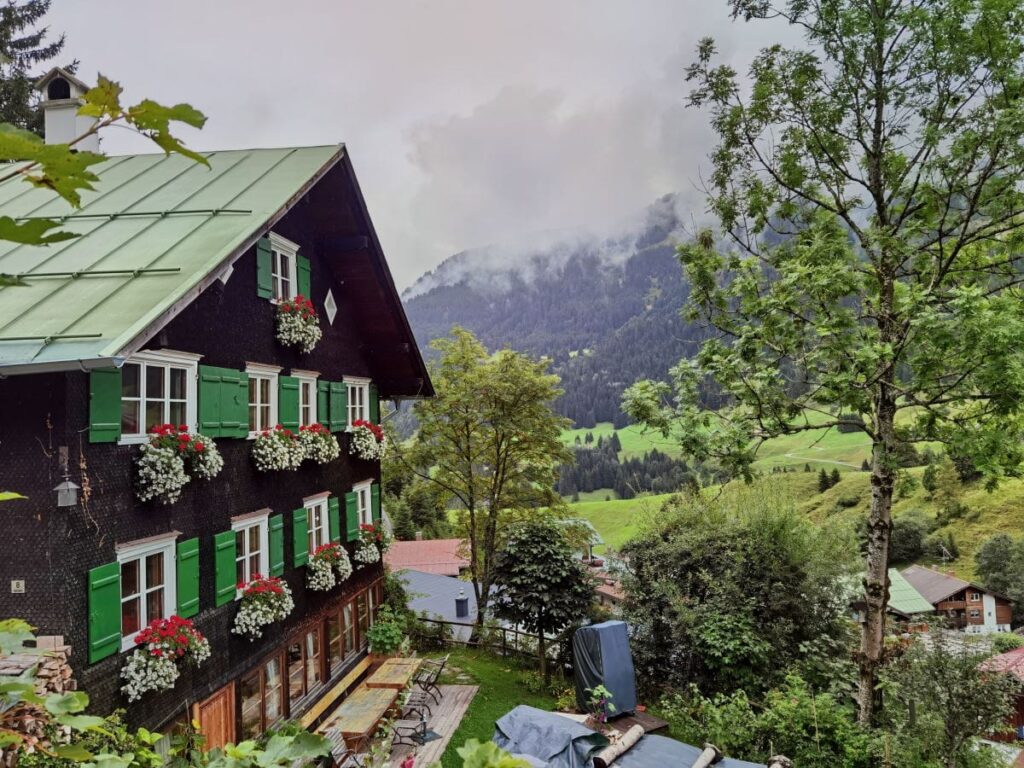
{"points": [[323, 402], [351, 516], [288, 402], [276, 526], [210, 422], [234, 403], [224, 567], [188, 578], [374, 395], [334, 516], [339, 406], [300, 536], [264, 281], [375, 502], [303, 269], [104, 611], [105, 405]]}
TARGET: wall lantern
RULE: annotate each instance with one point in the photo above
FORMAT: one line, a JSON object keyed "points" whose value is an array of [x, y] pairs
{"points": [[67, 493]]}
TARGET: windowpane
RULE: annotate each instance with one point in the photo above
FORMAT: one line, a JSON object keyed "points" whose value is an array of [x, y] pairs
{"points": [[254, 539], [155, 604], [335, 642], [154, 381], [265, 391], [129, 578], [130, 419], [350, 629], [130, 380], [272, 681], [154, 413], [265, 412], [249, 694], [254, 414], [312, 659], [130, 623], [254, 563], [179, 383], [154, 570], [178, 413], [296, 673]]}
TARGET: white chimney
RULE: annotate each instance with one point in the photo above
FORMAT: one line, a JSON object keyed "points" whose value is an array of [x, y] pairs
{"points": [[62, 97]]}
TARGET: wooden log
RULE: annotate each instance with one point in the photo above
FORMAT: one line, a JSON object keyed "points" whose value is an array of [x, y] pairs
{"points": [[780, 761], [708, 757]]}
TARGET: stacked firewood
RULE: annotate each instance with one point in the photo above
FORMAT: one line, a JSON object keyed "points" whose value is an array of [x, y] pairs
{"points": [[50, 658]]}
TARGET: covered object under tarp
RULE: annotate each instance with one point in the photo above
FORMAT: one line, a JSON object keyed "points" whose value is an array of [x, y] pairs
{"points": [[602, 657], [661, 752], [556, 741]]}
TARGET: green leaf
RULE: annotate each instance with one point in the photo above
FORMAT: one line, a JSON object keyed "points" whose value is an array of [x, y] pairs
{"points": [[82, 722], [153, 120], [10, 495], [65, 703], [104, 100], [33, 231], [74, 752], [14, 633]]}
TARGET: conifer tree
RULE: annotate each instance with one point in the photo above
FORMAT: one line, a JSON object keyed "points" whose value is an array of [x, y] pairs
{"points": [[833, 478], [23, 50], [823, 484]]}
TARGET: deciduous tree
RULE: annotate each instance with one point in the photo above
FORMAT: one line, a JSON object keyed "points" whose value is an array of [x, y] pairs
{"points": [[868, 188]]}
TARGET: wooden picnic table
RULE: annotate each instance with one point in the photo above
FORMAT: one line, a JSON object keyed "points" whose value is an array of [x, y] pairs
{"points": [[359, 714], [394, 674]]}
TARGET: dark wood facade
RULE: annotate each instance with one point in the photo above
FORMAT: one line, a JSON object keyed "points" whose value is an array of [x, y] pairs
{"points": [[44, 424]]}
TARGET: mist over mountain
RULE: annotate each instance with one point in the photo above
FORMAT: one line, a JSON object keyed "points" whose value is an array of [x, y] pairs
{"points": [[604, 306]]}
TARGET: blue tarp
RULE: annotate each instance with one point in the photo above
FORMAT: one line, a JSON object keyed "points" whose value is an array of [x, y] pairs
{"points": [[602, 657], [555, 740], [661, 752]]}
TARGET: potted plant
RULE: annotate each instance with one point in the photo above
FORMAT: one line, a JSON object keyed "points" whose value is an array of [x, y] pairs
{"points": [[298, 324], [387, 635], [170, 459], [367, 440], [265, 599], [162, 646], [599, 706], [318, 444], [277, 449], [329, 565], [373, 542]]}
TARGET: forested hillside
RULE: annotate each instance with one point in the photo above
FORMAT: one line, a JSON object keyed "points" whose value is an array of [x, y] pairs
{"points": [[606, 310]]}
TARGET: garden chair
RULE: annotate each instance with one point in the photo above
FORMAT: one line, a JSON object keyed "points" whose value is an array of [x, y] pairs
{"points": [[411, 732], [420, 702], [426, 680], [439, 664], [342, 754]]}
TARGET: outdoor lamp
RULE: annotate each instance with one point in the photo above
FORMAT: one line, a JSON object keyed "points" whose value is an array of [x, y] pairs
{"points": [[67, 493]]}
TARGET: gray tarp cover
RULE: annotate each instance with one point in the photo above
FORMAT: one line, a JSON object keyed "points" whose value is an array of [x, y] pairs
{"points": [[661, 752], [557, 740], [602, 657]]}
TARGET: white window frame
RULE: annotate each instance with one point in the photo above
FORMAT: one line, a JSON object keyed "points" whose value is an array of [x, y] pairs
{"points": [[283, 246], [974, 597], [269, 372], [363, 385], [312, 504], [140, 551], [363, 491], [307, 378], [244, 523], [164, 358]]}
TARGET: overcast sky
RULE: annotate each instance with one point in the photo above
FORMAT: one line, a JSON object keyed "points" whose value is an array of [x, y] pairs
{"points": [[468, 121]]}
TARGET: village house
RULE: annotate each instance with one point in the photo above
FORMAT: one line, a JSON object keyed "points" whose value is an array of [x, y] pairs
{"points": [[965, 605], [164, 311], [446, 557]]}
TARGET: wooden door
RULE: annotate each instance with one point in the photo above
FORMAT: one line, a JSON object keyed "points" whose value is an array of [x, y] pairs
{"points": [[216, 717]]}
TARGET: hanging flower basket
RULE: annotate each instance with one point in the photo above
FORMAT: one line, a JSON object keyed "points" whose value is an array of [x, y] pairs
{"points": [[318, 444], [277, 449], [298, 324], [328, 566], [367, 440], [163, 646], [170, 459], [373, 542], [264, 601]]}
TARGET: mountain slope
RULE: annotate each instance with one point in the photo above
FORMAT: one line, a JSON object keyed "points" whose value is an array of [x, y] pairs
{"points": [[605, 309]]}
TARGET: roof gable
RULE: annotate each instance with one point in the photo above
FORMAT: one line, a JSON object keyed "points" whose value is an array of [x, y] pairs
{"points": [[903, 598]]}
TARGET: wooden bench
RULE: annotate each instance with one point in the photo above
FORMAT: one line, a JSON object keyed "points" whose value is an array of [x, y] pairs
{"points": [[317, 710]]}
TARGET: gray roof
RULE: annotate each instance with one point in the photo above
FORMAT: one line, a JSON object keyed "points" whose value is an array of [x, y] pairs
{"points": [[936, 586], [434, 595]]}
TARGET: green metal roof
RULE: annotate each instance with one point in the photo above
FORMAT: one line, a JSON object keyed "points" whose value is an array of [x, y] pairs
{"points": [[155, 227], [904, 598]]}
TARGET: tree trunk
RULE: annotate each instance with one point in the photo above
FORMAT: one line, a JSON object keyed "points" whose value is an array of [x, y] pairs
{"points": [[543, 652], [876, 577]]}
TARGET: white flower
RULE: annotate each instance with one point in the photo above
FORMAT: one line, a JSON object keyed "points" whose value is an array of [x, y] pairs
{"points": [[364, 444], [257, 610], [207, 463], [343, 565], [144, 673], [160, 474], [320, 576], [298, 324], [318, 444], [366, 553], [277, 449]]}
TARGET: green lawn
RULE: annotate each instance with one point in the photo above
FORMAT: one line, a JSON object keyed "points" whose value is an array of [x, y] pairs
{"points": [[504, 683], [619, 519]]}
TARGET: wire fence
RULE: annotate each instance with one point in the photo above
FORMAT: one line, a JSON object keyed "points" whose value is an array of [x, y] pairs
{"points": [[500, 640]]}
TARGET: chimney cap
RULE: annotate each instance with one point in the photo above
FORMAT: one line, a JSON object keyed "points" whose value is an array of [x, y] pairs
{"points": [[42, 82]]}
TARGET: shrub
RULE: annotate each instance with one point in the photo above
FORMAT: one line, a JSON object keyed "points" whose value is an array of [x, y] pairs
{"points": [[1006, 641], [845, 502], [387, 633], [909, 532]]}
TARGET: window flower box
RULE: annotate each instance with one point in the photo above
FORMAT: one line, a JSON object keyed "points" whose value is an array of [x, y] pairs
{"points": [[367, 440], [318, 444], [265, 599], [298, 324], [373, 542], [163, 646], [170, 459], [277, 449], [328, 566]]}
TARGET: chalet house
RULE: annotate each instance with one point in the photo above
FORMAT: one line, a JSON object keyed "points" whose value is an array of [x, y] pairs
{"points": [[165, 310], [965, 605]]}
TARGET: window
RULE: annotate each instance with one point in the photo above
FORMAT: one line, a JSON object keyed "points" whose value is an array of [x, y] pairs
{"points": [[363, 502], [282, 267], [304, 676], [307, 396], [349, 629], [358, 400], [317, 523], [261, 699], [974, 597], [262, 397], [975, 613], [147, 585], [157, 388], [251, 546], [363, 614]]}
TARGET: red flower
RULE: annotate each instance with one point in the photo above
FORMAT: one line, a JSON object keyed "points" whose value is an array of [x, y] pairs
{"points": [[198, 445]]}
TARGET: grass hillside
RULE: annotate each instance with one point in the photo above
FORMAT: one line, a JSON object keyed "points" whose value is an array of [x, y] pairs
{"points": [[1001, 511]]}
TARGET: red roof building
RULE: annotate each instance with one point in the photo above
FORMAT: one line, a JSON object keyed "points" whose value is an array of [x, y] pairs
{"points": [[440, 556]]}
